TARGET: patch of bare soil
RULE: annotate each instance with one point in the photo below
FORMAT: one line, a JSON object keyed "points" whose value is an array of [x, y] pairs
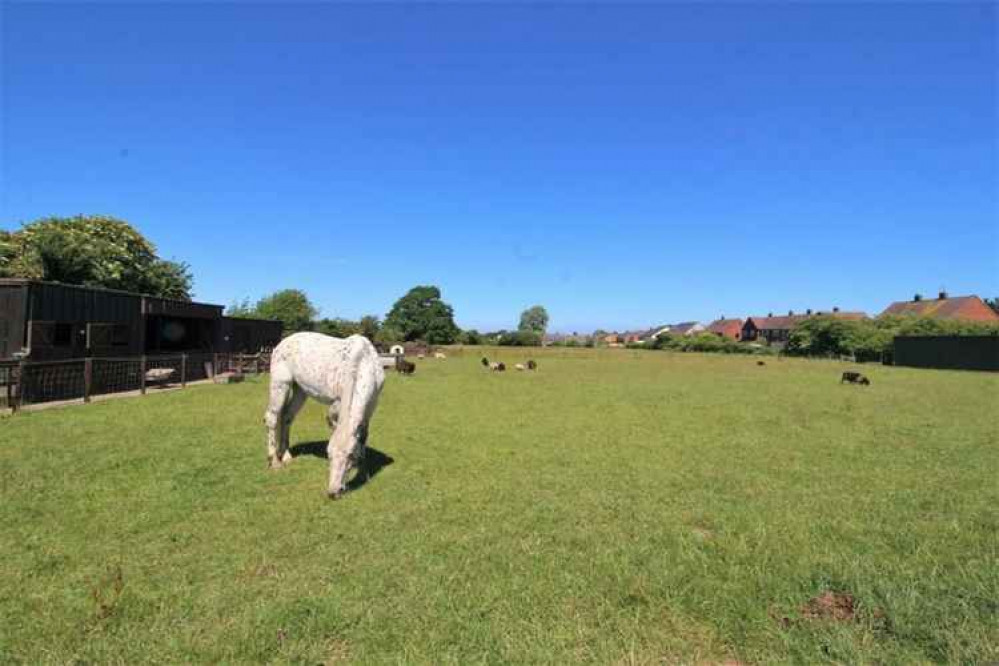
{"points": [[835, 606]]}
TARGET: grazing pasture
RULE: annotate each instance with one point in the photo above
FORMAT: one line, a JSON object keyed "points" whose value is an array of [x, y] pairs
{"points": [[612, 507]]}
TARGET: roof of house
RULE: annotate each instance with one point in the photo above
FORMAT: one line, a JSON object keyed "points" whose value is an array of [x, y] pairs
{"points": [[682, 327], [790, 321], [969, 308], [725, 326]]}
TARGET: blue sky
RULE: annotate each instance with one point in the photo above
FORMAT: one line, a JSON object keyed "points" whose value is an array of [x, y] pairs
{"points": [[621, 165]]}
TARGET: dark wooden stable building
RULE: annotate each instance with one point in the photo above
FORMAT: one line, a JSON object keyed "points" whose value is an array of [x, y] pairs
{"points": [[41, 321]]}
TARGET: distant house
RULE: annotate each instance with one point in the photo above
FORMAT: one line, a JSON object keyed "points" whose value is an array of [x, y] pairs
{"points": [[964, 308], [776, 330], [726, 328], [636, 337], [683, 328]]}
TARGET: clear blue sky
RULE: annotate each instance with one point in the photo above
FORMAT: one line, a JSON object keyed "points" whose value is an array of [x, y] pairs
{"points": [[621, 165]]}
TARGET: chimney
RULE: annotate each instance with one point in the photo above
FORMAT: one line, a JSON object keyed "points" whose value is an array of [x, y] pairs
{"points": [[835, 308], [917, 298], [943, 295], [770, 314], [790, 313], [808, 311]]}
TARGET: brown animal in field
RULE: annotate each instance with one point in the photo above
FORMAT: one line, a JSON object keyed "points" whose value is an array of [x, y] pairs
{"points": [[531, 365], [855, 378], [485, 362], [404, 367], [761, 363]]}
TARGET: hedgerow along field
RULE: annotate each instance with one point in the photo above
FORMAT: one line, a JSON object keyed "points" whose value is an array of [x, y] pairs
{"points": [[614, 507]]}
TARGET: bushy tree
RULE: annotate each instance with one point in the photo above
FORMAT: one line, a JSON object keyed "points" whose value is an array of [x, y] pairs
{"points": [[95, 251], [471, 337], [241, 309], [290, 306], [388, 336], [338, 328], [534, 319], [521, 339], [422, 315], [368, 327]]}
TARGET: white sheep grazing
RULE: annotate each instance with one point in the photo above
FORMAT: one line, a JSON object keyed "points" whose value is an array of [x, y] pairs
{"points": [[345, 374], [521, 367], [439, 355]]}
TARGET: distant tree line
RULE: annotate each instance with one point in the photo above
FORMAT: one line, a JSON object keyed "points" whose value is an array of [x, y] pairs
{"points": [[871, 339], [420, 315]]}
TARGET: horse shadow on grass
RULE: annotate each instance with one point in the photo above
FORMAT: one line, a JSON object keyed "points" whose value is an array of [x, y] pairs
{"points": [[374, 461]]}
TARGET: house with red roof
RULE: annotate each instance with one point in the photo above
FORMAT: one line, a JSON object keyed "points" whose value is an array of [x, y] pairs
{"points": [[964, 308], [726, 328]]}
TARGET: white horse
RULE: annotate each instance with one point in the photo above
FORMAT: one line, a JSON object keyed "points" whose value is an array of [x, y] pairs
{"points": [[345, 374]]}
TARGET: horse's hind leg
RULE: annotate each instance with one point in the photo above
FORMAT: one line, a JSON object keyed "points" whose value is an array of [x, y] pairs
{"points": [[274, 417], [291, 410]]}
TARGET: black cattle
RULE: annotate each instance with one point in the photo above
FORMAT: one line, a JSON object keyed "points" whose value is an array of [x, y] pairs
{"points": [[855, 378], [531, 365], [404, 367], [761, 363], [485, 362]]}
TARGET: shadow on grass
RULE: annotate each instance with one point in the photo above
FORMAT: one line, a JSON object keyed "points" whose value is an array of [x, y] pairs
{"points": [[374, 461]]}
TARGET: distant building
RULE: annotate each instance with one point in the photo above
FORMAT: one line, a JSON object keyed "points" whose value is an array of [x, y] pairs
{"points": [[726, 328], [963, 308], [677, 330], [46, 321], [776, 330]]}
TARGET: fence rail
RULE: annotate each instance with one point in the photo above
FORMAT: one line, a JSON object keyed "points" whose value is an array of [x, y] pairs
{"points": [[25, 383]]}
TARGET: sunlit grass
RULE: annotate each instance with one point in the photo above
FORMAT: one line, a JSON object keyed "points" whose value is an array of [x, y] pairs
{"points": [[613, 507]]}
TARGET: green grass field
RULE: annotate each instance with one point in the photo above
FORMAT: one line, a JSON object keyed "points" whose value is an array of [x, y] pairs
{"points": [[615, 507]]}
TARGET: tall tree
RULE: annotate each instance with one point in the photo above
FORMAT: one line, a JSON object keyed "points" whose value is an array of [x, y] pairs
{"points": [[92, 250], [369, 326], [290, 306], [422, 315], [534, 319]]}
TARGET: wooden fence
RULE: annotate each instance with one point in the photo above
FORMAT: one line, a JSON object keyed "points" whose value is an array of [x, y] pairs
{"points": [[32, 382]]}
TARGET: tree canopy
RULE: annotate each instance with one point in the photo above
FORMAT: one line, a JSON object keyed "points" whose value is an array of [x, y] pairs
{"points": [[94, 251], [290, 306], [534, 319], [422, 315]]}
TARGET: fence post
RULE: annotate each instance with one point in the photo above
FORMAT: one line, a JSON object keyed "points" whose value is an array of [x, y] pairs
{"points": [[88, 378], [142, 375], [16, 405], [183, 370]]}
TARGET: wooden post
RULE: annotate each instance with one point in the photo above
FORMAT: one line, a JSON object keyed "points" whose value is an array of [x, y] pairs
{"points": [[142, 375], [20, 387], [88, 378], [183, 370]]}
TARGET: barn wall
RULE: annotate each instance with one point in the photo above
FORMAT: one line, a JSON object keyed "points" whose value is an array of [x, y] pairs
{"points": [[87, 316], [948, 352], [248, 335], [13, 299]]}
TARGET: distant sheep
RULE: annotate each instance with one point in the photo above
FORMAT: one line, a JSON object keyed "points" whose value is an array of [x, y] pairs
{"points": [[761, 363], [855, 378], [531, 365], [485, 362], [497, 367], [520, 367], [404, 367], [439, 355]]}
